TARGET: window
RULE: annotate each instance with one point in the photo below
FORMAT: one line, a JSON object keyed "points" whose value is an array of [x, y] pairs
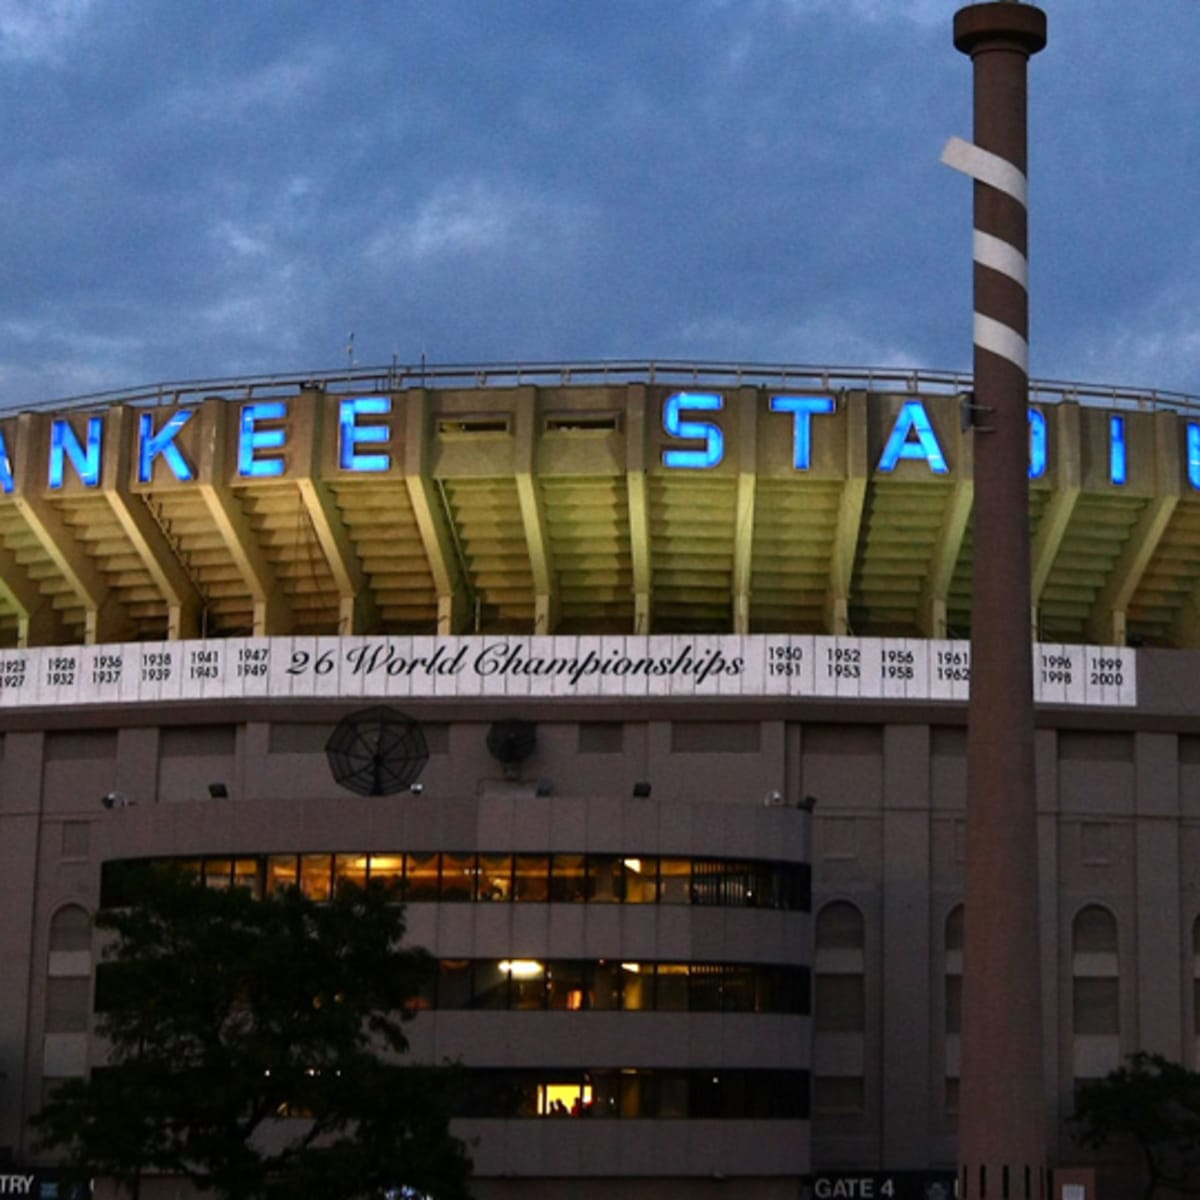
{"points": [[1096, 1001], [67, 1004], [315, 876], [421, 876], [839, 1009], [839, 1006], [839, 927], [568, 878], [466, 877], [458, 877], [531, 878], [70, 929]]}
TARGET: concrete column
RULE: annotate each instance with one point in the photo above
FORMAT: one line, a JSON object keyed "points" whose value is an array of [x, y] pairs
{"points": [[1156, 968], [906, 950]]}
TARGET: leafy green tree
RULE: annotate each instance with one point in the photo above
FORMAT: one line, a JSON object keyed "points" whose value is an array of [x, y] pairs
{"points": [[254, 1046], [1154, 1103]]}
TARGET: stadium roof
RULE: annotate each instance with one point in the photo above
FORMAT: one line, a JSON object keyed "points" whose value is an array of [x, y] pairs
{"points": [[581, 499]]}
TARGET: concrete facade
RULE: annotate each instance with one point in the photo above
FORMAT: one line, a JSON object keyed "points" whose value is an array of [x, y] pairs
{"points": [[1119, 824]]}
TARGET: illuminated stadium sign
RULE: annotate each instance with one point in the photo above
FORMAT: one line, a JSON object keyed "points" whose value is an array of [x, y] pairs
{"points": [[632, 668], [364, 431]]}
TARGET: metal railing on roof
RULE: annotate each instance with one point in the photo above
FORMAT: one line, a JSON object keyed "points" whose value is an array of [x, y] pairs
{"points": [[785, 377]]}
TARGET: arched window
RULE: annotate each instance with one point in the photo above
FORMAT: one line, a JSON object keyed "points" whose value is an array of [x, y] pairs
{"points": [[69, 971], [70, 929], [1096, 992], [838, 1005], [839, 1010]]}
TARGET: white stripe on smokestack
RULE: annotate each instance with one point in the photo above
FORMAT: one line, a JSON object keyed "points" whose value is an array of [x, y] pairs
{"points": [[993, 252]]}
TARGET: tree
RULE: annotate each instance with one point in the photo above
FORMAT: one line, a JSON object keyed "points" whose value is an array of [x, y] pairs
{"points": [[254, 1046], [1154, 1102]]}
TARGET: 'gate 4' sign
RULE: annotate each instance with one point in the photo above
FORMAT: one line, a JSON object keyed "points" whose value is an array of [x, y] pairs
{"points": [[884, 1185]]}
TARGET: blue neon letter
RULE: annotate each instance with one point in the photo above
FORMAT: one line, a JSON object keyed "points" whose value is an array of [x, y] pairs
{"points": [[1193, 454], [64, 444], [673, 423], [353, 435], [1116, 450], [252, 440], [1037, 443], [802, 408], [913, 419], [151, 445], [6, 475]]}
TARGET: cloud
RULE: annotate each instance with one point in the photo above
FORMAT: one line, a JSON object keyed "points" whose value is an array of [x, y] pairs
{"points": [[471, 217], [921, 12], [265, 89], [37, 31], [824, 340]]}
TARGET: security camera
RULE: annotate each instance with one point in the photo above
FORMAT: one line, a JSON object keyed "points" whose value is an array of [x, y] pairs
{"points": [[116, 800]]}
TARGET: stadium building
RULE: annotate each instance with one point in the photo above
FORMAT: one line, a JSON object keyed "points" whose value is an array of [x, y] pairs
{"points": [[686, 648]]}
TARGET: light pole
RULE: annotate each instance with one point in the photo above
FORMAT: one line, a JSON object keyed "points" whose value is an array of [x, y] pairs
{"points": [[1002, 1098]]}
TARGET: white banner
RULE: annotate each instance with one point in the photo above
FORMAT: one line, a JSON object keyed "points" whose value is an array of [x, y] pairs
{"points": [[759, 665]]}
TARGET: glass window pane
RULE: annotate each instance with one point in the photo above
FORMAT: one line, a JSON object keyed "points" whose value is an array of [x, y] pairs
{"points": [[568, 879], [282, 872], [454, 983], [389, 868], [604, 878], [491, 986], [71, 929], [562, 1099], [528, 983], [1097, 1006], [315, 881], [495, 877], [671, 987], [675, 881], [350, 867], [68, 1002], [421, 876], [606, 1093], [839, 927], [672, 1094], [637, 1094], [531, 878], [637, 986], [246, 875], [739, 984], [218, 872], [641, 880], [1095, 931], [954, 1004], [458, 876], [606, 986], [705, 987], [954, 928], [566, 985], [839, 1004]]}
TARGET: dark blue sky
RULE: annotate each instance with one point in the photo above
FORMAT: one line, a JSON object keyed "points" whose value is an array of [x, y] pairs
{"points": [[195, 189]]}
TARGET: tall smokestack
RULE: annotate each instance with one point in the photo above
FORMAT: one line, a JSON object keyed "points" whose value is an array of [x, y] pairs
{"points": [[1002, 1097]]}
